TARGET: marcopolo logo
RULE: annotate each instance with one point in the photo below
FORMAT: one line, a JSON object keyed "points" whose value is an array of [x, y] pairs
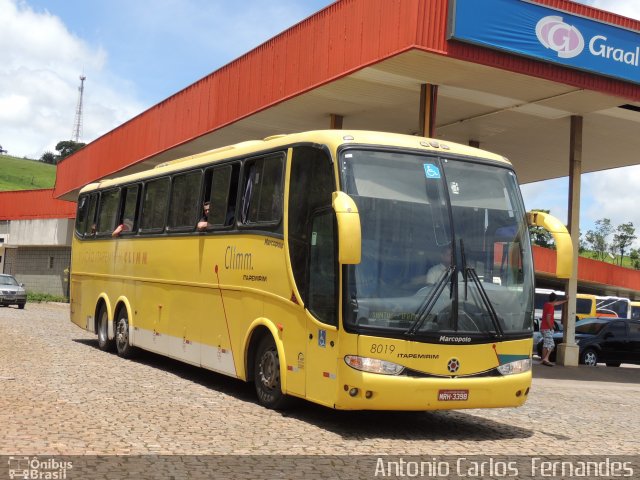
{"points": [[564, 39]]}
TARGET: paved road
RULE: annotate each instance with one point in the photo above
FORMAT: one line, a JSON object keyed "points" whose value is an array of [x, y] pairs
{"points": [[61, 395]]}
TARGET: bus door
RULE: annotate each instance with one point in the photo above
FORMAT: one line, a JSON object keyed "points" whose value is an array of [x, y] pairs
{"points": [[322, 311]]}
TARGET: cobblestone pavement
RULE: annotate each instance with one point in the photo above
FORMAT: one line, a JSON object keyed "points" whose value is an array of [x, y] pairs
{"points": [[61, 395]]}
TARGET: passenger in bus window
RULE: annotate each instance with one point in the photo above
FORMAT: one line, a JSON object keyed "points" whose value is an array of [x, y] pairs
{"points": [[125, 226], [204, 220]]}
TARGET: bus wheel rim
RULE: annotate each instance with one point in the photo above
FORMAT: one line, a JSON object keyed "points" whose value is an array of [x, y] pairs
{"points": [[269, 369], [102, 328], [123, 333]]}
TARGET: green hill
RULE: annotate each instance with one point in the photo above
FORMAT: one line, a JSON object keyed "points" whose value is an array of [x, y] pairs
{"points": [[23, 174]]}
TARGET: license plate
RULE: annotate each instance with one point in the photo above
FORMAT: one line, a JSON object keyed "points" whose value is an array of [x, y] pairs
{"points": [[453, 395]]}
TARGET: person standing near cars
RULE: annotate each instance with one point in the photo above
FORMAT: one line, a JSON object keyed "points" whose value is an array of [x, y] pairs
{"points": [[547, 327]]}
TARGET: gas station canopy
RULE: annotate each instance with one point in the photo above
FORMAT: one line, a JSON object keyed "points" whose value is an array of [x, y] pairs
{"points": [[509, 78]]}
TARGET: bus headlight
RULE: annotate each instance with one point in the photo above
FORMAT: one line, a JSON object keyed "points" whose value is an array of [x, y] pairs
{"points": [[519, 366], [373, 365]]}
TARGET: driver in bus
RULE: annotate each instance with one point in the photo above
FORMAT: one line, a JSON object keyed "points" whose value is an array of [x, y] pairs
{"points": [[435, 272]]}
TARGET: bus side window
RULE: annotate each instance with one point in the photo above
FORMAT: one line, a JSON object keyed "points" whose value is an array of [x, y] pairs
{"points": [[108, 211], [184, 207], [81, 214], [222, 183], [90, 227], [129, 209], [154, 205], [262, 190]]}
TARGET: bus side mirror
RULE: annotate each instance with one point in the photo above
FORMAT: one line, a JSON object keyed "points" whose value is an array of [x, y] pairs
{"points": [[564, 246], [349, 234]]}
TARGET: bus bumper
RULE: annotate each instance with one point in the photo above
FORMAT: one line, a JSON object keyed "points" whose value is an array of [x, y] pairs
{"points": [[368, 391]]}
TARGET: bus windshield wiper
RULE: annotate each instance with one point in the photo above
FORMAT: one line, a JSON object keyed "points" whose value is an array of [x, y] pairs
{"points": [[471, 272], [465, 269], [485, 299], [430, 300]]}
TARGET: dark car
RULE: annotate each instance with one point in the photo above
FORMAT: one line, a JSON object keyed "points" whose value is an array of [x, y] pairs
{"points": [[605, 340], [12, 292]]}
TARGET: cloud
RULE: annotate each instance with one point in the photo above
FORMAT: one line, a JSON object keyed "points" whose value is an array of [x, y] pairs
{"points": [[547, 195], [614, 195], [41, 64]]}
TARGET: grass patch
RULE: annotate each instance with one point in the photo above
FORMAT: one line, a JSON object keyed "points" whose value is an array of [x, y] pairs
{"points": [[24, 174], [627, 262], [44, 297]]}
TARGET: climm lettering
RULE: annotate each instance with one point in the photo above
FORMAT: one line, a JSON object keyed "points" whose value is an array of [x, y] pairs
{"points": [[236, 260], [599, 48]]}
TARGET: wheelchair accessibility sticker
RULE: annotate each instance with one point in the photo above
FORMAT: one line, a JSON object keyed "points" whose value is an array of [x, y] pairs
{"points": [[431, 171], [322, 338]]}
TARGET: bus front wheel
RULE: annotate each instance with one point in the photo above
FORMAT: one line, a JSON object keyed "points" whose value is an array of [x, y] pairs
{"points": [[123, 346], [267, 375]]}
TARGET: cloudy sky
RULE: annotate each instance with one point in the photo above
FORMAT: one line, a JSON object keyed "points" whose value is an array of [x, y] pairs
{"points": [[136, 53]]}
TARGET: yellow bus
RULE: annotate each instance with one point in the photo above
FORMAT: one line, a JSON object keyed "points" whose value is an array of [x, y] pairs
{"points": [[357, 270], [610, 306], [586, 306]]}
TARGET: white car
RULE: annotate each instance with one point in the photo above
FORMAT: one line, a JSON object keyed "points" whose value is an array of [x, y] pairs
{"points": [[12, 292]]}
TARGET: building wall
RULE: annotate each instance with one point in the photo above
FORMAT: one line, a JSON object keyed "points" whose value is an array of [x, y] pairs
{"points": [[48, 231], [41, 269]]}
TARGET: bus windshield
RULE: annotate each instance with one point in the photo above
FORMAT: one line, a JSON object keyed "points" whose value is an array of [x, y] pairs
{"points": [[617, 305], [445, 248]]}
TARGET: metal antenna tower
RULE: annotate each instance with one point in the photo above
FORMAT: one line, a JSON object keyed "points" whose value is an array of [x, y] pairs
{"points": [[77, 124]]}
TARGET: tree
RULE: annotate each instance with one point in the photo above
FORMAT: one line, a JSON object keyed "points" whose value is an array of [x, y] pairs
{"points": [[623, 238], [597, 239], [582, 244], [48, 157], [634, 255], [2, 150], [540, 236], [67, 147]]}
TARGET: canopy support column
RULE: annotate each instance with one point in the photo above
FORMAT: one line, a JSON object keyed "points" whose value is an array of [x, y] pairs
{"points": [[568, 350], [428, 107], [335, 122]]}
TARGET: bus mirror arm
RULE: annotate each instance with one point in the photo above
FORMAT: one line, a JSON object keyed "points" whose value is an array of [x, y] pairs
{"points": [[562, 238], [349, 233]]}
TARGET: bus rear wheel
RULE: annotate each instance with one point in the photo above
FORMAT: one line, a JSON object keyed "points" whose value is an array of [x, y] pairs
{"points": [[267, 375], [124, 348], [103, 331]]}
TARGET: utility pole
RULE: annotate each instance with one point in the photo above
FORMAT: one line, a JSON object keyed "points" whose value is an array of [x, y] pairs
{"points": [[77, 124]]}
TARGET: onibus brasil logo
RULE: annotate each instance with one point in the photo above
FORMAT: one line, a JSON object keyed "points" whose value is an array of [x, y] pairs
{"points": [[36, 468]]}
